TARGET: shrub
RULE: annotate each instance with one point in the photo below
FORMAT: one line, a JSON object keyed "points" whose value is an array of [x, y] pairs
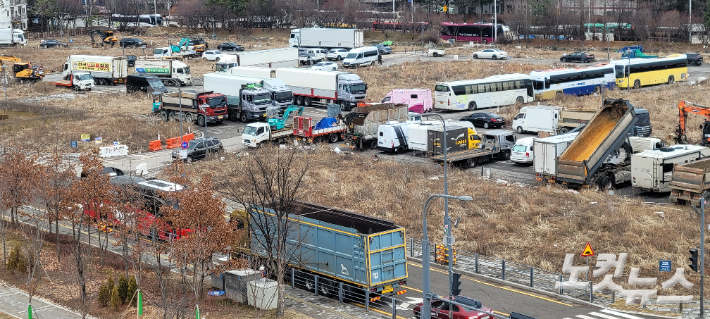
{"points": [[104, 295], [17, 261], [131, 295], [115, 298], [122, 288], [109, 284]]}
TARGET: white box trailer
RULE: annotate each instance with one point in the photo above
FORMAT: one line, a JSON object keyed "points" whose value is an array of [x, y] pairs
{"points": [[273, 58], [324, 87], [12, 37], [326, 38], [107, 70], [540, 118], [546, 151], [165, 70], [257, 72]]}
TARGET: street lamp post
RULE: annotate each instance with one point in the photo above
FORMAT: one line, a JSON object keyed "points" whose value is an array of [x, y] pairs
{"points": [[426, 288], [177, 83]]}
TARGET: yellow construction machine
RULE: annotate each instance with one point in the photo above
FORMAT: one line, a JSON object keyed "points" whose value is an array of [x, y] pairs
{"points": [[107, 37]]}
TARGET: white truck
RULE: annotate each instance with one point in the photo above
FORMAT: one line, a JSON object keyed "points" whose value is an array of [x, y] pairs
{"points": [[281, 94], [540, 118], [78, 81], [106, 70], [652, 169], [246, 98], [12, 37], [167, 52], [277, 130], [546, 151], [273, 58], [311, 87], [165, 70], [326, 38]]}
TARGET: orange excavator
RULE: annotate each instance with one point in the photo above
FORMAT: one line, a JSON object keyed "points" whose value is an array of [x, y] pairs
{"points": [[685, 107]]}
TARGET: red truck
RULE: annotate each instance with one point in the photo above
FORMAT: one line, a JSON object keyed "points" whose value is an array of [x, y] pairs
{"points": [[327, 129], [196, 106]]}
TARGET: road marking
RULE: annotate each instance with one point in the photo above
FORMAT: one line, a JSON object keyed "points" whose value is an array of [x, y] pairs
{"points": [[502, 313], [378, 310], [319, 306], [601, 315], [415, 289], [500, 287], [620, 314], [584, 317]]}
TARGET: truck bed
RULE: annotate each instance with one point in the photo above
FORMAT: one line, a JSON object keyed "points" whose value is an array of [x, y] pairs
{"points": [[691, 176], [463, 155]]}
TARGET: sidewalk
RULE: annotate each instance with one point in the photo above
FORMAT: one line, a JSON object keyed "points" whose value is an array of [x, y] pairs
{"points": [[322, 307], [14, 303]]}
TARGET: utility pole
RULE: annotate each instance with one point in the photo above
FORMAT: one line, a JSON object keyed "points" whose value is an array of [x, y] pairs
{"points": [[495, 39], [155, 10], [690, 24], [703, 201]]}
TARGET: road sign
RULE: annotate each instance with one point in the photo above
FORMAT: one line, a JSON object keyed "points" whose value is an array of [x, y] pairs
{"points": [[85, 137], [116, 143], [664, 265], [184, 145], [588, 252], [73, 143], [97, 140]]}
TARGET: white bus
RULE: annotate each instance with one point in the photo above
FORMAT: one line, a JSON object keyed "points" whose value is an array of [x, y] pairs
{"points": [[493, 91], [551, 83]]}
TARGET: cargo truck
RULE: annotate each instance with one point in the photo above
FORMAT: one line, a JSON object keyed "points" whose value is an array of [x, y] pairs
{"points": [[273, 58], [281, 95], [690, 182], [166, 70], [327, 129], [336, 245], [12, 37], [326, 38], [197, 106], [652, 169], [106, 70], [277, 130], [174, 52], [363, 123], [496, 145], [78, 81], [545, 153], [247, 100], [312, 87]]}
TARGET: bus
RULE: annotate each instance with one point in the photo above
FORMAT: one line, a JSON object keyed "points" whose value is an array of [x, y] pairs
{"points": [[152, 19], [476, 32], [642, 72], [493, 91], [549, 84]]}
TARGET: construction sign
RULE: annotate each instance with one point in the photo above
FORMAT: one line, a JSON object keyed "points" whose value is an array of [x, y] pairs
{"points": [[588, 252]]}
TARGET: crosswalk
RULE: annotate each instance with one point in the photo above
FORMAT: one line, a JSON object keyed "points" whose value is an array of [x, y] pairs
{"points": [[605, 314]]}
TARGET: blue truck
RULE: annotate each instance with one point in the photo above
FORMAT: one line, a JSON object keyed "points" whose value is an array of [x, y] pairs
{"points": [[342, 246]]}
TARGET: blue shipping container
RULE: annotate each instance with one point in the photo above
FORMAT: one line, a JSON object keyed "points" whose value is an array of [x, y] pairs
{"points": [[346, 246]]}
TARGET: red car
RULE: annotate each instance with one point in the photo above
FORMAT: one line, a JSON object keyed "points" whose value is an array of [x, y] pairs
{"points": [[440, 310]]}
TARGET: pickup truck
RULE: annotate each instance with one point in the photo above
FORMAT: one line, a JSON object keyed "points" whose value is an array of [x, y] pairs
{"points": [[78, 81]]}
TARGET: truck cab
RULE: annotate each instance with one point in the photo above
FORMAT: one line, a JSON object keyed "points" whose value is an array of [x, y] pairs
{"points": [[256, 133], [18, 37], [499, 140], [81, 81], [351, 90], [224, 66], [201, 106], [251, 103]]}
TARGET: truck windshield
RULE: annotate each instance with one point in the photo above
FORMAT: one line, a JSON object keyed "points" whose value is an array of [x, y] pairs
{"points": [[158, 51], [262, 99], [357, 88], [222, 67], [216, 102], [82, 77], [187, 69], [283, 96], [249, 130]]}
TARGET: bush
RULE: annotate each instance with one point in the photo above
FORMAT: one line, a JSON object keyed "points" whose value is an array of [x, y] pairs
{"points": [[115, 298], [122, 288], [104, 295], [131, 296], [109, 284], [16, 261]]}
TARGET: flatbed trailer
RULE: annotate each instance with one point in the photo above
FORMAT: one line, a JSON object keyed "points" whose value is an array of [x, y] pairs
{"points": [[689, 182], [497, 145], [305, 131]]}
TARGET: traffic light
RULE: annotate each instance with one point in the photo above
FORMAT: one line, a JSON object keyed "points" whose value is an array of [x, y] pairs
{"points": [[693, 259], [456, 285]]}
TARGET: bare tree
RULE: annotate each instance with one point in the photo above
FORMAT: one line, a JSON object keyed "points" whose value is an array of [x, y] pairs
{"points": [[58, 176]]}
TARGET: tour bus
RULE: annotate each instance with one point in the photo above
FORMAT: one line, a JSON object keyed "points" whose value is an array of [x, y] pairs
{"points": [[642, 72], [580, 81], [493, 91]]}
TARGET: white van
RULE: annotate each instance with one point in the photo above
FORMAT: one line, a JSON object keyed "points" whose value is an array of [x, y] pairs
{"points": [[523, 151], [540, 118], [361, 57]]}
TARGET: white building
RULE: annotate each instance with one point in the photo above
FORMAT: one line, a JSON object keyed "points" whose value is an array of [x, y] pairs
{"points": [[13, 13]]}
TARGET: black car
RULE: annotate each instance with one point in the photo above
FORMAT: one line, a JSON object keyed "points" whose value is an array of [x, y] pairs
{"points": [[485, 119], [131, 60], [51, 43], [578, 57], [131, 42], [694, 59], [230, 46], [199, 148]]}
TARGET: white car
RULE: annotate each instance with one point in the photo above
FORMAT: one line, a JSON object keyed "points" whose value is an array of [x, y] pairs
{"points": [[337, 54], [325, 66], [490, 54], [523, 151], [213, 55]]}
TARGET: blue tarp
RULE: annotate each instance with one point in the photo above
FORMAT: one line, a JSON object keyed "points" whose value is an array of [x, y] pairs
{"points": [[326, 122]]}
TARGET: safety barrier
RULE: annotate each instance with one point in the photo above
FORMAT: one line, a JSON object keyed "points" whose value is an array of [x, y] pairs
{"points": [[188, 137], [155, 145], [172, 143]]}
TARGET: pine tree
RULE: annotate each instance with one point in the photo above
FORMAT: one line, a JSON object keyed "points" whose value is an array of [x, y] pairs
{"points": [[122, 288], [14, 258], [109, 284], [131, 296], [104, 295], [115, 298]]}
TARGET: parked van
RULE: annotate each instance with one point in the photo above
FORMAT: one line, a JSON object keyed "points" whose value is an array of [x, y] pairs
{"points": [[361, 57], [392, 137], [540, 118], [523, 151], [418, 100]]}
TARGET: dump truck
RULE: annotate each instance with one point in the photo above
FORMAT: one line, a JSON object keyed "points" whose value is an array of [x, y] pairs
{"points": [[78, 81], [546, 151], [363, 123], [167, 71], [571, 118], [496, 145], [690, 182], [600, 155], [107, 70], [327, 129], [337, 245], [195, 106]]}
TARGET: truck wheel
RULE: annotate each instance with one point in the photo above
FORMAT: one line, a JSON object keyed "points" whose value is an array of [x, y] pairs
{"points": [[298, 100], [188, 118], [606, 183], [520, 130], [200, 120], [243, 117], [333, 138], [564, 130], [171, 116], [233, 117], [308, 101], [164, 115], [344, 106]]}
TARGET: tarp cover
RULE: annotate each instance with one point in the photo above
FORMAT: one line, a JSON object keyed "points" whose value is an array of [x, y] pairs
{"points": [[417, 108], [326, 122]]}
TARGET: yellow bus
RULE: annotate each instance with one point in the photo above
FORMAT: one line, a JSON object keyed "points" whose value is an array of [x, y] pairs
{"points": [[642, 72]]}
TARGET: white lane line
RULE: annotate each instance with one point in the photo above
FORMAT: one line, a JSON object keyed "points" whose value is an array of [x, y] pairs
{"points": [[623, 315]]}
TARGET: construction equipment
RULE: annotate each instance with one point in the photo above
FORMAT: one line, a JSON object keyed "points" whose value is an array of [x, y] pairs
{"points": [[9, 59], [683, 108], [107, 37], [26, 72], [279, 122]]}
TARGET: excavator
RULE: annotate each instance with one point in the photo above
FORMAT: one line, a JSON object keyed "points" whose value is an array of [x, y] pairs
{"points": [[107, 37], [24, 71], [685, 107]]}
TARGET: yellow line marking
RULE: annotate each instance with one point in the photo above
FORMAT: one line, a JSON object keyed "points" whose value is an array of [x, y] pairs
{"points": [[500, 287], [415, 289], [378, 310], [502, 313]]}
